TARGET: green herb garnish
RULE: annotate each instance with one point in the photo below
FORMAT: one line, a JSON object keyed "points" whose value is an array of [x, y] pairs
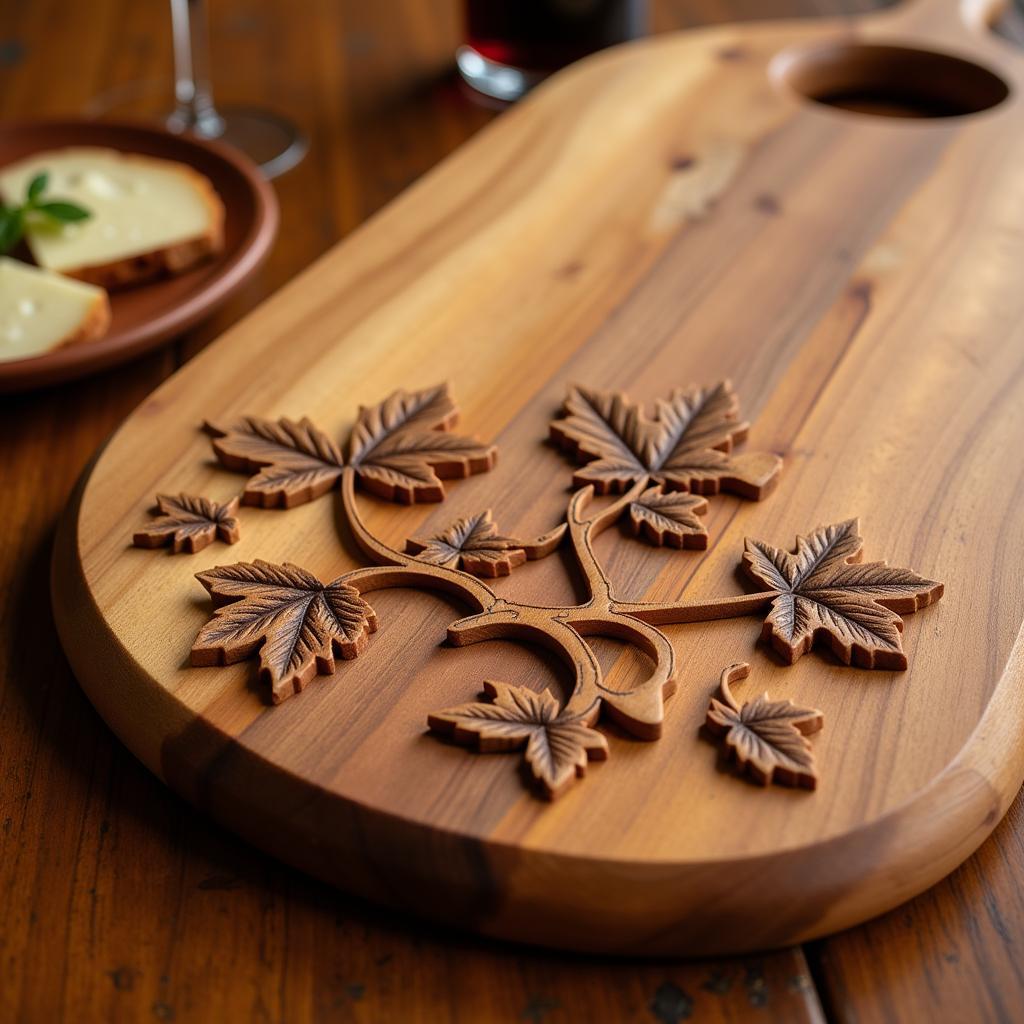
{"points": [[34, 210]]}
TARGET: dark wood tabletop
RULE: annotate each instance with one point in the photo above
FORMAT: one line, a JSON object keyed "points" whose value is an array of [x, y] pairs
{"points": [[117, 900]]}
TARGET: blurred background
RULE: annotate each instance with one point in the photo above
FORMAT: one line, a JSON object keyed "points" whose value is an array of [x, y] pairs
{"points": [[372, 87]]}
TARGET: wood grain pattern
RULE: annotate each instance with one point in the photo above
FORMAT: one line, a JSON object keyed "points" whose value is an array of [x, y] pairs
{"points": [[229, 933], [654, 301]]}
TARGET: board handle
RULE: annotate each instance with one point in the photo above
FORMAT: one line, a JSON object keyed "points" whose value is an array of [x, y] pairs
{"points": [[964, 25], [980, 15]]}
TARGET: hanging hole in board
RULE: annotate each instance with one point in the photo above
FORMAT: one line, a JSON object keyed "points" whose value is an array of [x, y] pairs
{"points": [[889, 81]]}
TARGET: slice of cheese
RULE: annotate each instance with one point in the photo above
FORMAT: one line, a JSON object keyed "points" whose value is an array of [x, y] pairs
{"points": [[149, 216], [40, 311]]}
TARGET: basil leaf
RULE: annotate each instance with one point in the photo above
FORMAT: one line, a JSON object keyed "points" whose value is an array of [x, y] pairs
{"points": [[64, 212], [10, 228], [37, 186]]}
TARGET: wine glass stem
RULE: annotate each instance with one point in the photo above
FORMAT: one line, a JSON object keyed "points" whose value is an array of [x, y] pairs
{"points": [[194, 110]]}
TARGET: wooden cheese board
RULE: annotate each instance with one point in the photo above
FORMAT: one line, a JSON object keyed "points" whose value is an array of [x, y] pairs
{"points": [[495, 673]]}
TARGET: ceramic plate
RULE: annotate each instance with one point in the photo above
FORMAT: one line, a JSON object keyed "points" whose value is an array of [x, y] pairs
{"points": [[151, 314]]}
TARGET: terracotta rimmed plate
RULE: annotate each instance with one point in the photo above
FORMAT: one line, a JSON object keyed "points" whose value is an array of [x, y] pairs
{"points": [[146, 316]]}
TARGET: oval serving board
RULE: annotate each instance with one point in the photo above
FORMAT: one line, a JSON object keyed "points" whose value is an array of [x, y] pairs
{"points": [[667, 214]]}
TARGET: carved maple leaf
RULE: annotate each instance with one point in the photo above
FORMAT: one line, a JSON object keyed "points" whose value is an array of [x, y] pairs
{"points": [[295, 622], [609, 434], [767, 739], [189, 523], [474, 545], [558, 745], [670, 519], [826, 593], [294, 462], [687, 445], [400, 453], [398, 448]]}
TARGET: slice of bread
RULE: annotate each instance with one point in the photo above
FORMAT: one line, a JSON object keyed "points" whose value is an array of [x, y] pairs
{"points": [[40, 311], [149, 217]]}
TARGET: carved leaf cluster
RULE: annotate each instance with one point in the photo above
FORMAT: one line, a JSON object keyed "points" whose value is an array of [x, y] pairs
{"points": [[400, 449], [295, 622], [189, 523], [558, 745], [686, 446], [767, 739], [826, 593]]}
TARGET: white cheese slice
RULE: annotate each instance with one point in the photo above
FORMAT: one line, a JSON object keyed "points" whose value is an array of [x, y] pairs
{"points": [[148, 215], [40, 310]]}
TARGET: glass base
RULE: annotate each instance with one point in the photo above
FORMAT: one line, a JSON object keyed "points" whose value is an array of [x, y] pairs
{"points": [[499, 81], [272, 143]]}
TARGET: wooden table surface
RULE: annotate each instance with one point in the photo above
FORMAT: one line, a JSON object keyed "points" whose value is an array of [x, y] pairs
{"points": [[119, 902]]}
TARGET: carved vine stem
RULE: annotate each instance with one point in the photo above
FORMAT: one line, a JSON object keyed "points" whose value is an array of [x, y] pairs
{"points": [[564, 629], [396, 569], [695, 611], [496, 616]]}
